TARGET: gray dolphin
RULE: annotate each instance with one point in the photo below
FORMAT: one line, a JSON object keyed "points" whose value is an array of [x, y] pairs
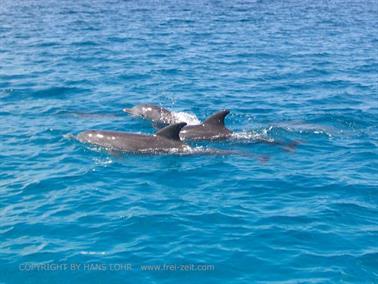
{"points": [[212, 128], [165, 140], [155, 113]]}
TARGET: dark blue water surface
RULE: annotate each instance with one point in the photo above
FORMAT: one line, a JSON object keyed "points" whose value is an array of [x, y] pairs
{"points": [[304, 71]]}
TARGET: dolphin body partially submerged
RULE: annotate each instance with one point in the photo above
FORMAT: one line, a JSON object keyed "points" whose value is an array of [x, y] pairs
{"points": [[164, 141], [154, 113], [213, 128]]}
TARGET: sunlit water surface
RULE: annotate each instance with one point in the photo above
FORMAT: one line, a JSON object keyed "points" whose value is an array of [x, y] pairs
{"points": [[303, 71]]}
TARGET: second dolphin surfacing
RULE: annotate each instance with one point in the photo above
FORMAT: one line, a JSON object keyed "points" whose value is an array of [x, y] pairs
{"points": [[156, 114], [213, 128]]}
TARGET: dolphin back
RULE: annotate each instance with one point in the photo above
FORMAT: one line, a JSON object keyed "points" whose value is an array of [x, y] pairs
{"points": [[217, 119], [171, 131]]}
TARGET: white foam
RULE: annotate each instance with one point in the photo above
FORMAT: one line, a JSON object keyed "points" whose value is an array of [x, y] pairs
{"points": [[189, 118], [69, 136], [93, 252], [251, 135], [104, 162], [185, 150]]}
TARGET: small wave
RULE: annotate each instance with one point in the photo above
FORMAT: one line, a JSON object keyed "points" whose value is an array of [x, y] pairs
{"points": [[69, 136], [251, 136], [276, 129], [189, 118], [93, 252], [263, 137], [103, 162], [300, 128], [186, 150], [201, 150]]}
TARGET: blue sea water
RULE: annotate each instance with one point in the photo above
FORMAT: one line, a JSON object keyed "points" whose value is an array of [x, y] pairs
{"points": [[304, 71]]}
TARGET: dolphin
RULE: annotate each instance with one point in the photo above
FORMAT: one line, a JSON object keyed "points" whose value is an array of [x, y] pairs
{"points": [[165, 140], [212, 128], [156, 114]]}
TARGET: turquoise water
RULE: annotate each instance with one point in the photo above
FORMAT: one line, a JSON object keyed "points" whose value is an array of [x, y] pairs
{"points": [[304, 71]]}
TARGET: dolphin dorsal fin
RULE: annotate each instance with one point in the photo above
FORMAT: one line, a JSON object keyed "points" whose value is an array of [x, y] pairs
{"points": [[171, 131], [217, 118]]}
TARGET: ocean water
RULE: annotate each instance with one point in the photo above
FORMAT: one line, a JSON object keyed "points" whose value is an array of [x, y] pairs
{"points": [[289, 71]]}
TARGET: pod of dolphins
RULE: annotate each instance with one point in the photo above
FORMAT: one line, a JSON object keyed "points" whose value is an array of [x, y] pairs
{"points": [[171, 138]]}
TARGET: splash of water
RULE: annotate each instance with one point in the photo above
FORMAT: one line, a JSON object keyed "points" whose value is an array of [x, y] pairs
{"points": [[189, 118], [250, 136]]}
